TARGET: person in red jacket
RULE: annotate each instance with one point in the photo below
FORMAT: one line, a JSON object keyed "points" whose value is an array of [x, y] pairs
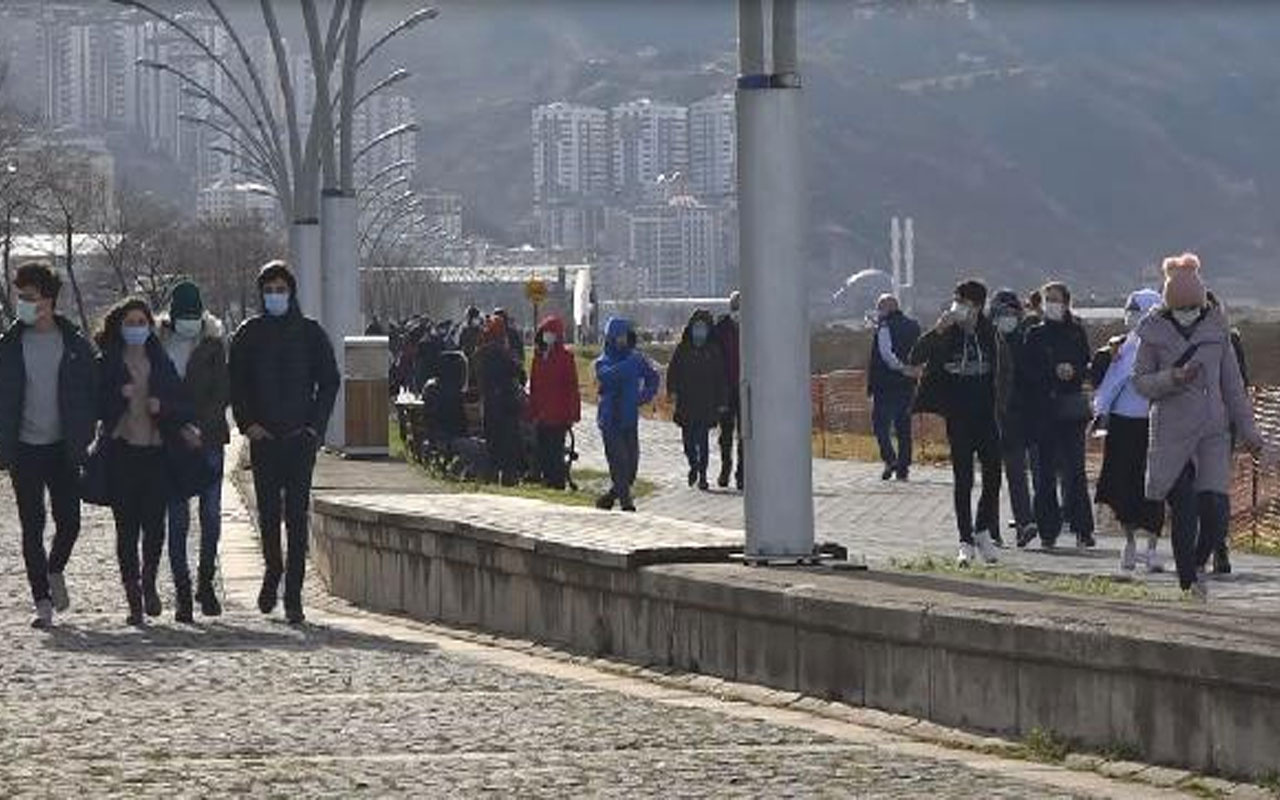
{"points": [[554, 402]]}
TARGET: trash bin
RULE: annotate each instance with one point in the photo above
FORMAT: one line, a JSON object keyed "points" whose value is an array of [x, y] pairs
{"points": [[368, 406]]}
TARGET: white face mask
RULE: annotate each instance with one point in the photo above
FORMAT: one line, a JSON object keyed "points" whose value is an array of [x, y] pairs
{"points": [[963, 312], [187, 328], [28, 312], [1186, 317], [549, 338], [1132, 318], [1055, 312], [1007, 324]]}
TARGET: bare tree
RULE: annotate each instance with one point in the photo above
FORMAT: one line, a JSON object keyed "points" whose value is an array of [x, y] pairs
{"points": [[223, 256], [140, 236], [70, 195], [15, 186]]}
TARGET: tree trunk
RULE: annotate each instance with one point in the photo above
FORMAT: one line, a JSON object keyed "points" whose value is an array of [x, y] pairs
{"points": [[75, 285], [5, 303]]}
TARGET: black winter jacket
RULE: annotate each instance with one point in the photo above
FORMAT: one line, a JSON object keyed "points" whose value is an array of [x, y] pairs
{"points": [[939, 391], [284, 376], [77, 391], [1047, 345], [696, 377]]}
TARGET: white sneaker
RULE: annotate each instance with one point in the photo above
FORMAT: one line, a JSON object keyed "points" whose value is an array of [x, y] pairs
{"points": [[58, 588], [44, 615], [986, 547], [1155, 561], [966, 555], [1199, 592], [1129, 556]]}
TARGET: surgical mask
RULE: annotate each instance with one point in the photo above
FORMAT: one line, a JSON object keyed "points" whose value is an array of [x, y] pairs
{"points": [[1055, 311], [1132, 318], [276, 303], [699, 334], [28, 312], [1186, 317], [1007, 324], [549, 339], [135, 334], [963, 312], [734, 315], [474, 322], [187, 328]]}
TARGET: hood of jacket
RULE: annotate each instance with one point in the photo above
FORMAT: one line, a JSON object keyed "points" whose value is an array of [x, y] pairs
{"points": [[700, 315], [210, 327], [553, 324], [616, 328]]}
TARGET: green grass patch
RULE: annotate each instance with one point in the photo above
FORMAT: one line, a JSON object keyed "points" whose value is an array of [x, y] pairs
{"points": [[1086, 585], [591, 482], [1045, 746]]}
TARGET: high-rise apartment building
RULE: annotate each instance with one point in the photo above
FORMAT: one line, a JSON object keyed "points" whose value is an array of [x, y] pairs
{"points": [[377, 115], [713, 146], [570, 153], [649, 140], [678, 248]]}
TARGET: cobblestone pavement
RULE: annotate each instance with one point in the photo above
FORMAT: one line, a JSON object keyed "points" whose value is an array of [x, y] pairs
{"points": [[886, 520], [356, 704]]}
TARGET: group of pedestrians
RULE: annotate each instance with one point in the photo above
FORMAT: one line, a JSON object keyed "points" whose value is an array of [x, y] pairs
{"points": [[137, 420], [1009, 378]]}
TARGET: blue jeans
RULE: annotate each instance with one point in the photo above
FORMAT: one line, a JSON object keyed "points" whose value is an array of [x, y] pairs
{"points": [[210, 525], [891, 413], [696, 438], [622, 449]]}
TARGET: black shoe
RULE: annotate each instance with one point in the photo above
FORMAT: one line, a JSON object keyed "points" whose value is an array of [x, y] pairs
{"points": [[1221, 562], [693, 477], [888, 472], [151, 599], [133, 595], [723, 480], [269, 594], [702, 482], [207, 597], [903, 474], [293, 614], [605, 501], [183, 612], [628, 504], [1085, 540], [740, 482]]}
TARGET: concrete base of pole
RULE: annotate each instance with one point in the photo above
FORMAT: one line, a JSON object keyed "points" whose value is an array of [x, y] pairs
{"points": [[341, 293], [304, 251], [777, 415]]}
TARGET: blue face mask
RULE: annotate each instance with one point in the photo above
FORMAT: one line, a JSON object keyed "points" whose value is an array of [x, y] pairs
{"points": [[135, 334], [276, 303], [28, 312], [699, 334]]}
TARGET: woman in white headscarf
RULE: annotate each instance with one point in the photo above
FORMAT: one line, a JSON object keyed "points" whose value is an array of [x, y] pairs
{"points": [[1124, 413]]}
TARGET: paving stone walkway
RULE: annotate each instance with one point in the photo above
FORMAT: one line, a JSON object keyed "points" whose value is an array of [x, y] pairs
{"points": [[358, 705], [884, 521]]}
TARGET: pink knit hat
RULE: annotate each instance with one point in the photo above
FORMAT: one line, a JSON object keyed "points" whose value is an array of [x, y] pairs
{"points": [[1182, 285]]}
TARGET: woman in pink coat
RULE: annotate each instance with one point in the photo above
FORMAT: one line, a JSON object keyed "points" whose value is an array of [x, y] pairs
{"points": [[1188, 370]]}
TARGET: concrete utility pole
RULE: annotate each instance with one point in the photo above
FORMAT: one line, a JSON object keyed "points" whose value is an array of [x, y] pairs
{"points": [[776, 407]]}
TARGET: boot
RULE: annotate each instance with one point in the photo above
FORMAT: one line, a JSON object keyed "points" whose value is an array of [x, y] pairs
{"points": [[151, 598], [206, 596], [605, 501], [133, 595], [182, 602], [725, 468], [702, 480], [269, 593]]}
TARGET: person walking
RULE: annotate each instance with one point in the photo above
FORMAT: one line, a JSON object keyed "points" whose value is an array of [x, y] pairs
{"points": [[697, 384], [195, 342], [469, 338], [48, 396], [1222, 555], [284, 381], [890, 384], [1188, 370], [146, 416], [1122, 412], [626, 381], [499, 377], [554, 401], [729, 336], [966, 374], [1008, 319], [1055, 357]]}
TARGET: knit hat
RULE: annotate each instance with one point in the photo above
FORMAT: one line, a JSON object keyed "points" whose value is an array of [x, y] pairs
{"points": [[185, 302], [1006, 301], [1183, 287]]}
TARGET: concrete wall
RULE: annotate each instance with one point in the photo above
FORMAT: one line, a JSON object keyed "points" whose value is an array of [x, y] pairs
{"points": [[1196, 705]]}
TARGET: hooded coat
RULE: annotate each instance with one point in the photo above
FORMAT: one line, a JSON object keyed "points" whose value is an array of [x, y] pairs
{"points": [[207, 379], [284, 376], [696, 376], [1191, 423], [1116, 393], [553, 382], [626, 380]]}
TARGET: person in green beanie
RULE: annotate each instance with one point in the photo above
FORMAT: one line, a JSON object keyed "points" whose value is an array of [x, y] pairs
{"points": [[195, 342]]}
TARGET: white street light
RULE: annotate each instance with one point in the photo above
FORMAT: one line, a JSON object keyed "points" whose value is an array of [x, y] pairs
{"points": [[391, 80], [421, 15], [399, 130], [373, 197]]}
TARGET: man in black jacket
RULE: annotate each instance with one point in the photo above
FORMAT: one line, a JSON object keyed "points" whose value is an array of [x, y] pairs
{"points": [[890, 383], [48, 387], [284, 381]]}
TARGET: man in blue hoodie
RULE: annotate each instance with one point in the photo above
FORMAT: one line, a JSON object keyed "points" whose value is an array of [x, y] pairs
{"points": [[626, 381]]}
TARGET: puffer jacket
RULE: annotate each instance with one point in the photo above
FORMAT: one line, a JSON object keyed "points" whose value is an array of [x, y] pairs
{"points": [[77, 391], [553, 383], [207, 380], [696, 378], [284, 376], [1192, 421], [626, 379]]}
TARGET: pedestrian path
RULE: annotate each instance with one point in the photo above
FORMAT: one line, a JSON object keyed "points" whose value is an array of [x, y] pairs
{"points": [[355, 703], [887, 521]]}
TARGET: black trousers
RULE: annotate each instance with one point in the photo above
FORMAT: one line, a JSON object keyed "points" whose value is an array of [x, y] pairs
{"points": [[282, 485], [730, 426], [695, 436], [973, 436], [551, 461], [37, 469], [138, 482], [1199, 524], [622, 449], [502, 437]]}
